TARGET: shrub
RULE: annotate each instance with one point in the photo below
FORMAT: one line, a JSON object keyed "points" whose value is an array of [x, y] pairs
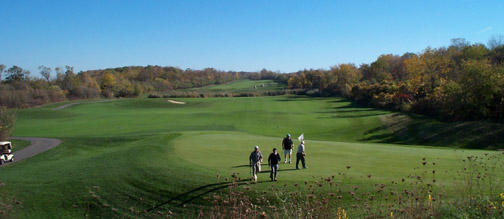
{"points": [[155, 96], [84, 92], [28, 97], [7, 121], [56, 94], [405, 107], [108, 94]]}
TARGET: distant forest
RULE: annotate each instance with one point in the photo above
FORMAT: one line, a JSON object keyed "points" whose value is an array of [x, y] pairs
{"points": [[463, 81]]}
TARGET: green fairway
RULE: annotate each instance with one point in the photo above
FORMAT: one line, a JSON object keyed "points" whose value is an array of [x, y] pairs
{"points": [[227, 152], [139, 153], [241, 86]]}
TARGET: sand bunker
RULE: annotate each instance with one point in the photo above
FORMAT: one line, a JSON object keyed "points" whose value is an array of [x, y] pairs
{"points": [[176, 102]]}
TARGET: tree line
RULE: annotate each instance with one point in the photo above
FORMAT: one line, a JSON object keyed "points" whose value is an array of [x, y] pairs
{"points": [[19, 90], [463, 81]]}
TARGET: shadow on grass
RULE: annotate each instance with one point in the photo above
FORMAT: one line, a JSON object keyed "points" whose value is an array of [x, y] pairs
{"points": [[419, 130], [352, 110], [355, 116], [246, 165], [301, 98], [342, 100], [412, 129], [199, 192], [350, 105], [279, 170]]}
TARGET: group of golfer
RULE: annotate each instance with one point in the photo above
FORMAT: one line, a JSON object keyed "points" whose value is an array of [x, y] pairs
{"points": [[274, 158]]}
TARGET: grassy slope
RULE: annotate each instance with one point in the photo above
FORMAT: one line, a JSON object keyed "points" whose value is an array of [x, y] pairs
{"points": [[145, 152], [416, 129], [240, 86]]}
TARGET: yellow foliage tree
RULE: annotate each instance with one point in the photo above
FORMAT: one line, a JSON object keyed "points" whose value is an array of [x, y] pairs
{"points": [[108, 81]]}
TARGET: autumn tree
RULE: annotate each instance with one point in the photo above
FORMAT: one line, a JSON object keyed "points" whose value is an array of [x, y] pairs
{"points": [[496, 56], [495, 41], [108, 81], [87, 87], [381, 68], [425, 71], [70, 80], [16, 74], [315, 79], [459, 43], [300, 80], [480, 83], [46, 73], [474, 52], [344, 77], [88, 81], [7, 121], [60, 76], [294, 82]]}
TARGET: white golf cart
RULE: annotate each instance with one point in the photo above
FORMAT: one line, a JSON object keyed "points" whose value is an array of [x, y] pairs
{"points": [[6, 152]]}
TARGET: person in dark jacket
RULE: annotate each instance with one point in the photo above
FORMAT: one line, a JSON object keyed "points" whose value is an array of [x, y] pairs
{"points": [[287, 146], [273, 161]]}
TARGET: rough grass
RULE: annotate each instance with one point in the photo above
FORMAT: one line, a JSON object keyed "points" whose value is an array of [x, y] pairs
{"points": [[129, 155]]}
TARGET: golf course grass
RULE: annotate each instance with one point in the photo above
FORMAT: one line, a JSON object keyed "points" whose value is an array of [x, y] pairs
{"points": [[240, 86], [20, 145], [131, 155]]}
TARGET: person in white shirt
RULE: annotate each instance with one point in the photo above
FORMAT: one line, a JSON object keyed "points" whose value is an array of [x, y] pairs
{"points": [[300, 155]]}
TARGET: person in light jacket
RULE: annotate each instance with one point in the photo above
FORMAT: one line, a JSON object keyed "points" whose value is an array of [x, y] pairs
{"points": [[255, 160], [300, 156]]}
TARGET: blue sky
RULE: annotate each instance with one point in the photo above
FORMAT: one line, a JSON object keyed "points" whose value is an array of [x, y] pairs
{"points": [[246, 35]]}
